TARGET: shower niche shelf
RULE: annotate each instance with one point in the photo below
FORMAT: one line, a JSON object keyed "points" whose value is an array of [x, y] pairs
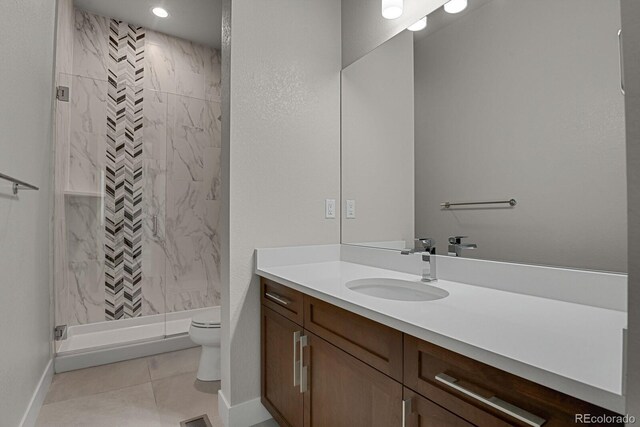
{"points": [[75, 193]]}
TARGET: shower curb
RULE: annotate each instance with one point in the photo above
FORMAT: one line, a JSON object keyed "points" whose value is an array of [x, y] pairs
{"points": [[104, 356]]}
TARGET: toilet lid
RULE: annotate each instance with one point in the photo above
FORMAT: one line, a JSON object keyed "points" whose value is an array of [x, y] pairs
{"points": [[207, 319]]}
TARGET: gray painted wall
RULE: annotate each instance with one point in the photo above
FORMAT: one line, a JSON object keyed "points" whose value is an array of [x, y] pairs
{"points": [[631, 46], [377, 149], [283, 144], [364, 28], [504, 109], [26, 85]]}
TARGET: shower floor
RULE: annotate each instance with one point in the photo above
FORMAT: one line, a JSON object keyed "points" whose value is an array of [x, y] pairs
{"points": [[111, 341]]}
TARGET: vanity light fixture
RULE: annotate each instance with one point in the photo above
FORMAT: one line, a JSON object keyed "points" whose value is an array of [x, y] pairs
{"points": [[392, 9], [160, 12], [455, 6], [419, 25]]}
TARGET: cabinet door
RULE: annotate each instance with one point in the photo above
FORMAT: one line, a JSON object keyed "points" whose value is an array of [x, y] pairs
{"points": [[421, 412], [280, 395], [343, 391]]}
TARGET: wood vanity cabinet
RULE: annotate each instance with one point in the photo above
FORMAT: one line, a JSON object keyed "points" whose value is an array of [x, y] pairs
{"points": [[326, 366], [469, 389], [344, 391], [377, 345], [330, 387], [279, 395], [421, 412]]}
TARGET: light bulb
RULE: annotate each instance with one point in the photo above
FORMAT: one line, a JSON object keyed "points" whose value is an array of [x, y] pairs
{"points": [[391, 9], [160, 12], [419, 25], [455, 6]]}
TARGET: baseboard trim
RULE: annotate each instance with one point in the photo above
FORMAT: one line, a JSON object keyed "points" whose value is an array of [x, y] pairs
{"points": [[31, 414], [245, 414]]}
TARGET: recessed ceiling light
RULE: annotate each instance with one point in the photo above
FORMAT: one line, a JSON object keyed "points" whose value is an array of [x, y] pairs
{"points": [[392, 9], [455, 6], [160, 12], [419, 25]]}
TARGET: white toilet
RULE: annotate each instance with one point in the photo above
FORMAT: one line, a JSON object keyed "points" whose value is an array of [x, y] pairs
{"points": [[205, 331]]}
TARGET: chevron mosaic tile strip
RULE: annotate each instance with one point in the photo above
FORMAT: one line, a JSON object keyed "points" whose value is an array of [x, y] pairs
{"points": [[123, 172]]}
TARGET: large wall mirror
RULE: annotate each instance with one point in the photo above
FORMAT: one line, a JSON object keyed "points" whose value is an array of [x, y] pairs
{"points": [[489, 105]]}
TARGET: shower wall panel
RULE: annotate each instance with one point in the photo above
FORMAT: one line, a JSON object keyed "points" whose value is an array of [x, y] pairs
{"points": [[142, 193]]}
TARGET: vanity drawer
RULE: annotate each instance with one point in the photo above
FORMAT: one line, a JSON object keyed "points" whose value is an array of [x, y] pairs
{"points": [[281, 299], [460, 384], [373, 343], [421, 412]]}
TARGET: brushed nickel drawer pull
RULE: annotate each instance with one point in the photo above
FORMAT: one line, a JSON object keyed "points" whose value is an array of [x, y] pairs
{"points": [[304, 370], [406, 411], [494, 402], [277, 298], [621, 62], [296, 361]]}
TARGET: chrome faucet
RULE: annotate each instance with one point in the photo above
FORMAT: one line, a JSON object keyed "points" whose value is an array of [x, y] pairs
{"points": [[456, 246], [427, 250]]}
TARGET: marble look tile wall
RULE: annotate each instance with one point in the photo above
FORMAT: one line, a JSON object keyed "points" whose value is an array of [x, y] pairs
{"points": [[180, 174], [192, 203], [87, 125], [182, 154], [85, 251], [91, 45], [181, 67]]}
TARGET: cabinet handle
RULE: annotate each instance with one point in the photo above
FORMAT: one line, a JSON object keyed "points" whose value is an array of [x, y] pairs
{"points": [[494, 402], [296, 361], [277, 298], [407, 409], [621, 61], [304, 370]]}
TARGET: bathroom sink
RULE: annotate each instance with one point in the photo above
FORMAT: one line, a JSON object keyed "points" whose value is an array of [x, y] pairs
{"points": [[399, 290]]}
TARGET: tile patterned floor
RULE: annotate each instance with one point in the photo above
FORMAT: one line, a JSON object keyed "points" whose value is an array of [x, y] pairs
{"points": [[156, 391]]}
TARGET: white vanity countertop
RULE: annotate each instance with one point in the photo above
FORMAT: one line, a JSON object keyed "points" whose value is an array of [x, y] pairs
{"points": [[573, 348]]}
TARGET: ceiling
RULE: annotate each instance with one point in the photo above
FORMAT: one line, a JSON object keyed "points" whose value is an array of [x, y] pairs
{"points": [[439, 19], [196, 20]]}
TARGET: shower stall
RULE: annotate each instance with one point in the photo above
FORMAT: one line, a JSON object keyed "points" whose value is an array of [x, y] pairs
{"points": [[136, 176]]}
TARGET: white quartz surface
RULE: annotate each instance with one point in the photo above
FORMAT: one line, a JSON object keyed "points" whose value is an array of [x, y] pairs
{"points": [[573, 348]]}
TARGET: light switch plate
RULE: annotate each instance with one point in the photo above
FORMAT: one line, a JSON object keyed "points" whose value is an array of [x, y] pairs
{"points": [[351, 209], [330, 208]]}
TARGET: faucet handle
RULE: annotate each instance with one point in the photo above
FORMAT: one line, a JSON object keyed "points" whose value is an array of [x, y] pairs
{"points": [[428, 243], [456, 240]]}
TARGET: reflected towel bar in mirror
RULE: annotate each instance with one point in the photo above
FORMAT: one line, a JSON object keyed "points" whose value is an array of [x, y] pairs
{"points": [[17, 184], [510, 202]]}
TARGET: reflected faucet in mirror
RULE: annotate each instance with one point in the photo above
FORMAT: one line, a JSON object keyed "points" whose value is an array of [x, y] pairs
{"points": [[456, 246], [427, 247]]}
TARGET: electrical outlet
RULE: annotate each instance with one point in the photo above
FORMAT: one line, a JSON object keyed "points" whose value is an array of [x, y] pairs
{"points": [[351, 209], [330, 208]]}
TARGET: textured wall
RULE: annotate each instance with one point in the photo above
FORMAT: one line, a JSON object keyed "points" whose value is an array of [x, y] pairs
{"points": [[284, 155], [377, 144], [504, 109], [177, 155], [26, 85], [364, 28], [630, 10]]}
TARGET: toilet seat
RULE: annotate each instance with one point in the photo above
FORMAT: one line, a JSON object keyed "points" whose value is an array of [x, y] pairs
{"points": [[207, 319]]}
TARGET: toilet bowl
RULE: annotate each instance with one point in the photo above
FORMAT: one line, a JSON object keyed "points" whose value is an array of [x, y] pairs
{"points": [[205, 331]]}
